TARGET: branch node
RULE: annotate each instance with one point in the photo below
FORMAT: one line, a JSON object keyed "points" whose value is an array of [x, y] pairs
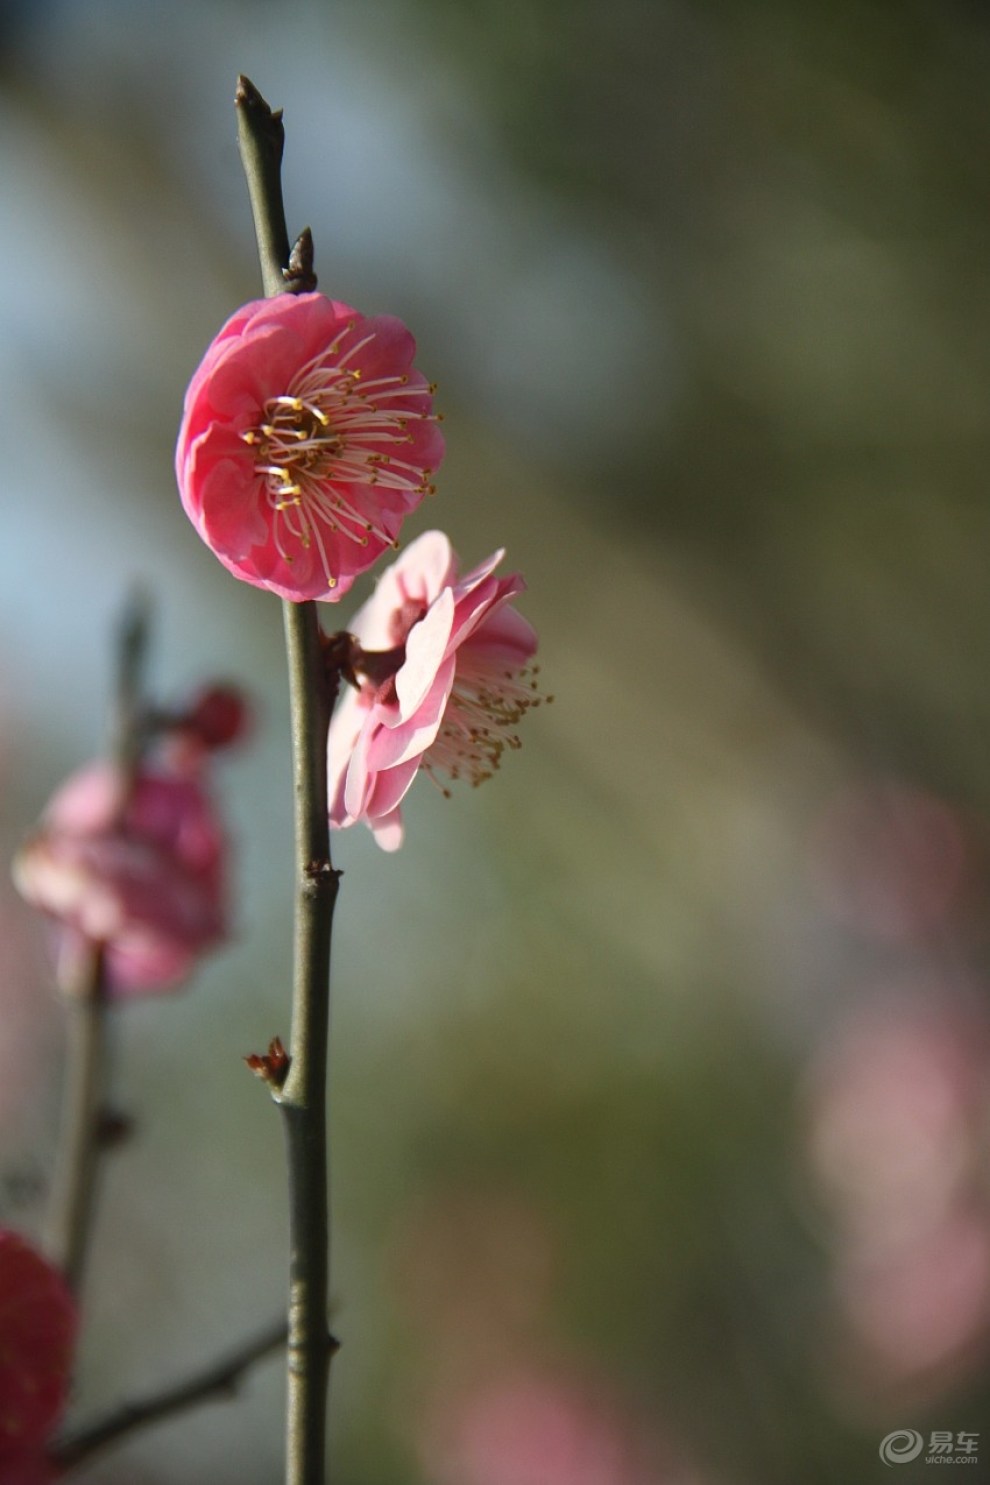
{"points": [[272, 1067]]}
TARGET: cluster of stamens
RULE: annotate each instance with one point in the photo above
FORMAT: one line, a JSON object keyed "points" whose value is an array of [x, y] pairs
{"points": [[321, 444], [479, 723]]}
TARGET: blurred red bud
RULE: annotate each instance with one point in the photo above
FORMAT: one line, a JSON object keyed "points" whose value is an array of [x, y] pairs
{"points": [[219, 715]]}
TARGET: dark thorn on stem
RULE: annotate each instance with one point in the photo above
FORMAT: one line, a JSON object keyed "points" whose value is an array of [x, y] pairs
{"points": [[113, 1127], [333, 1345], [300, 277], [317, 869]]}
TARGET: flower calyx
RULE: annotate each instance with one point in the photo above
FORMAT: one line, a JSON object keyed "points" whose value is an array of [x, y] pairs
{"points": [[346, 658]]}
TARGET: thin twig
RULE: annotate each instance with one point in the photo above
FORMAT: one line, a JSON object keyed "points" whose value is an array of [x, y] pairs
{"points": [[73, 1198], [302, 1098], [220, 1378]]}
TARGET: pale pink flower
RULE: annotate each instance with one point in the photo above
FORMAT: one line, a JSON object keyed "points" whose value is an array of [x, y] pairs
{"points": [[898, 1105], [38, 1324], [890, 860], [528, 1427], [922, 1306], [140, 870], [307, 436], [449, 698], [896, 1101]]}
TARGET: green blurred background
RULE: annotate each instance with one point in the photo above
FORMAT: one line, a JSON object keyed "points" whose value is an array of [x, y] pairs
{"points": [[660, 1079]]}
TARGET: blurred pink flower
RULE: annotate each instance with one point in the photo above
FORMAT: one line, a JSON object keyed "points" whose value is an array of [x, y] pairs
{"points": [[897, 1101], [897, 1139], [38, 1323], [458, 683], [306, 438], [140, 871], [889, 859], [923, 1305], [528, 1427]]}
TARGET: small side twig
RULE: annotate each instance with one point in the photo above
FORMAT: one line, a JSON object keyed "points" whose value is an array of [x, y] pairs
{"points": [[219, 1379]]}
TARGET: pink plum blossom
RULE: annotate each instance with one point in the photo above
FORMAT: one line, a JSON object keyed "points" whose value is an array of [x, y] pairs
{"points": [[448, 703], [307, 436], [920, 1307], [531, 1427], [898, 1105], [139, 869], [38, 1323]]}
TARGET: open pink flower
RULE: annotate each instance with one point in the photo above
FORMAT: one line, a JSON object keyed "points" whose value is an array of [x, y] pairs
{"points": [[140, 871], [307, 437], [38, 1323], [457, 684]]}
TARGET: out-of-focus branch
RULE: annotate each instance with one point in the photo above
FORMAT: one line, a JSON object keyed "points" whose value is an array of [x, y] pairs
{"points": [[219, 1379], [81, 1138]]}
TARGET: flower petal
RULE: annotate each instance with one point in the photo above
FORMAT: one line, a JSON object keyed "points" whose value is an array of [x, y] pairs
{"points": [[425, 650]]}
